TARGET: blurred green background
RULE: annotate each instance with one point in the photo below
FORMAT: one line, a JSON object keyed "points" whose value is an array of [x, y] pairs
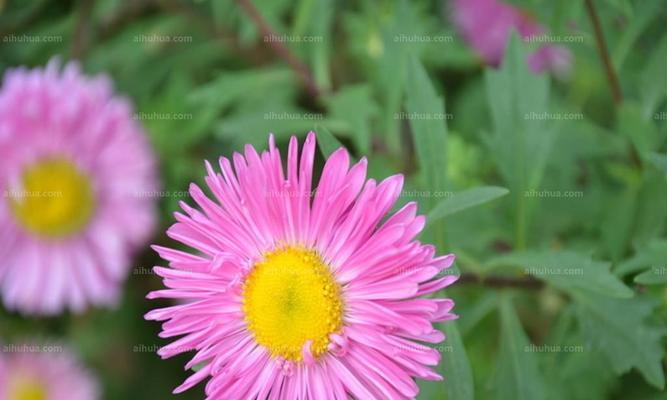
{"points": [[552, 194]]}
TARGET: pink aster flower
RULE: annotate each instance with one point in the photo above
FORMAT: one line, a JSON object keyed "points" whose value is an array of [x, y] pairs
{"points": [[293, 296], [28, 372], [73, 167], [486, 25]]}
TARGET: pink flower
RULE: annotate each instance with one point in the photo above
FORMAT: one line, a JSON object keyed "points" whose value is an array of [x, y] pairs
{"points": [[486, 25], [74, 166], [45, 372], [298, 296]]}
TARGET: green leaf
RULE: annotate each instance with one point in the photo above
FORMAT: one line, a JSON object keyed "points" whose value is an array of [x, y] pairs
{"points": [[389, 75], [474, 315], [321, 26], [326, 141], [654, 276], [651, 215], [638, 128], [567, 271], [429, 132], [617, 226], [575, 372], [651, 258], [647, 255], [642, 19], [280, 119], [653, 82], [521, 140], [466, 199], [314, 18], [659, 161], [517, 375], [355, 105], [430, 138], [622, 5], [456, 367], [230, 87], [617, 329]]}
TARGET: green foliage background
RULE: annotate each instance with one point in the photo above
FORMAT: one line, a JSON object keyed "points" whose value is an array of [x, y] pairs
{"points": [[559, 224]]}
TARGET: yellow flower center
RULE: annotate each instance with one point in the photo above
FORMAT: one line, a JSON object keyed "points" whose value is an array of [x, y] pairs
{"points": [[56, 199], [290, 298], [27, 389]]}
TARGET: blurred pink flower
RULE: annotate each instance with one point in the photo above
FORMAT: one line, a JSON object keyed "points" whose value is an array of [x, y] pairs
{"points": [[75, 168], [486, 25], [294, 296], [38, 372]]}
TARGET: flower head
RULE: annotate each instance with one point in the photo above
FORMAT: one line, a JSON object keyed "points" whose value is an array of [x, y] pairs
{"points": [[290, 294], [33, 373], [73, 165], [486, 25]]}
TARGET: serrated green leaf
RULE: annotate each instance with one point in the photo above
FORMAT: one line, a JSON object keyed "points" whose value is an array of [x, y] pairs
{"points": [[466, 199], [647, 255], [521, 140], [617, 328]]}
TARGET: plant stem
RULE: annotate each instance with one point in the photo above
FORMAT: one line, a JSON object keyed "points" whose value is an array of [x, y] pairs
{"points": [[501, 281], [612, 78], [81, 30], [280, 49]]}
